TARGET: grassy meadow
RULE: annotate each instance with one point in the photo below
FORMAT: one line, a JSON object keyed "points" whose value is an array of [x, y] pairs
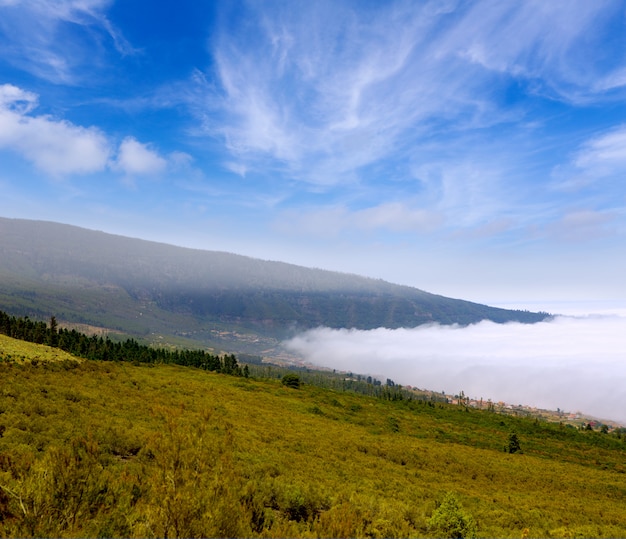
{"points": [[109, 449], [14, 350]]}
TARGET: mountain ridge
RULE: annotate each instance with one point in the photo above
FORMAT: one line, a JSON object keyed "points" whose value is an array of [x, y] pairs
{"points": [[147, 287]]}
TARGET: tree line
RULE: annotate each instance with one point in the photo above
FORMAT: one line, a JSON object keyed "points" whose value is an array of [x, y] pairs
{"points": [[104, 349]]}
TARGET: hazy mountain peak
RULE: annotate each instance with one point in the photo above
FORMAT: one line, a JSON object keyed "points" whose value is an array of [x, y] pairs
{"points": [[115, 281]]}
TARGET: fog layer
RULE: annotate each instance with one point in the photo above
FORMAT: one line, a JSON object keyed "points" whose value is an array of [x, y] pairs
{"points": [[571, 363]]}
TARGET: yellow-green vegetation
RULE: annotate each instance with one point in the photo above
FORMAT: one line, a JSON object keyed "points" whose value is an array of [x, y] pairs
{"points": [[104, 449], [22, 351]]}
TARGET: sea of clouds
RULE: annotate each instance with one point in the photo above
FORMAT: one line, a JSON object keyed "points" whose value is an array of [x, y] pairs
{"points": [[575, 363]]}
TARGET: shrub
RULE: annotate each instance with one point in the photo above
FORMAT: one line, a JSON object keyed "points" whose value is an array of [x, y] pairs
{"points": [[449, 519], [513, 445], [291, 380]]}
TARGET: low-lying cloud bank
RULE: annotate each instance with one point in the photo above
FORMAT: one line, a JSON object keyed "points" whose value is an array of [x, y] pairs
{"points": [[571, 363]]}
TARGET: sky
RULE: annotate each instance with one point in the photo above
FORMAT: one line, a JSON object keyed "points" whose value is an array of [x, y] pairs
{"points": [[471, 149], [474, 149]]}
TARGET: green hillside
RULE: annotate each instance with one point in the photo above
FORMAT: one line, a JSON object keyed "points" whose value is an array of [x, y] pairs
{"points": [[105, 449], [13, 350]]}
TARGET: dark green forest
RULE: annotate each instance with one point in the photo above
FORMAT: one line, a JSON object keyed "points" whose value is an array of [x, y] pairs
{"points": [[104, 349], [99, 348]]}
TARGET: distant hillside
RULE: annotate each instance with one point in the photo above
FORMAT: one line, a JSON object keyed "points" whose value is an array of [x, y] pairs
{"points": [[144, 288]]}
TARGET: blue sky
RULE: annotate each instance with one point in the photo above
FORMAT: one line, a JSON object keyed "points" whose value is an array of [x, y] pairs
{"points": [[472, 149]]}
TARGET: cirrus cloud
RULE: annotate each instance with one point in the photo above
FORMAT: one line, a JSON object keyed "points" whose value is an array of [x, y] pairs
{"points": [[326, 89], [30, 33], [597, 162], [334, 220]]}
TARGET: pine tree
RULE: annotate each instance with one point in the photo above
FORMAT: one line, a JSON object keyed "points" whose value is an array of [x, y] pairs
{"points": [[53, 332], [514, 445]]}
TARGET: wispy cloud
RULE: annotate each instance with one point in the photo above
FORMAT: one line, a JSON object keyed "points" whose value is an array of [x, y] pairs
{"points": [[463, 197], [576, 364], [327, 94], [310, 88], [57, 40], [603, 156], [541, 43], [337, 220], [593, 178], [426, 114], [577, 226]]}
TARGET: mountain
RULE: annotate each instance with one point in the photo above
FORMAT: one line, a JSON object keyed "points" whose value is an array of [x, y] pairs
{"points": [[153, 289]]}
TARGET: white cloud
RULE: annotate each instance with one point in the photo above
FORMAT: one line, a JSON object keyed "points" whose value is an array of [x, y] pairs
{"points": [[325, 89], [469, 197], [236, 168], [396, 216], [285, 99], [602, 157], [335, 220], [135, 158], [471, 191], [54, 146], [554, 44], [55, 40], [61, 148], [576, 364], [582, 225], [16, 99], [616, 79]]}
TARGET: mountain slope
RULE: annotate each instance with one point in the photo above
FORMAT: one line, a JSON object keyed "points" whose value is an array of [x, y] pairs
{"points": [[112, 449], [145, 287]]}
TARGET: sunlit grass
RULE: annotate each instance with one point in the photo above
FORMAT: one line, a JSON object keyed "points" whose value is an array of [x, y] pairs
{"points": [[22, 351], [166, 450]]}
